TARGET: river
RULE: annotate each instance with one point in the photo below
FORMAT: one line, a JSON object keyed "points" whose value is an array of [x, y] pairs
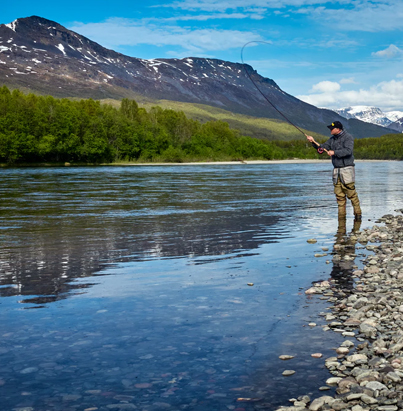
{"points": [[127, 287]]}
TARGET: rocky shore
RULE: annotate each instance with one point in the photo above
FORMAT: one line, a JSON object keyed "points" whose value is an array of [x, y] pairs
{"points": [[367, 309]]}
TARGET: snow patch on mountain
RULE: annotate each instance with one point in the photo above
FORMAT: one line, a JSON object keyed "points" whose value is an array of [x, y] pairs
{"points": [[61, 48], [394, 115], [12, 25]]}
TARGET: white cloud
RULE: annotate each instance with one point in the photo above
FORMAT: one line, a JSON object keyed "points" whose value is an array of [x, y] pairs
{"points": [[118, 32], [387, 95], [358, 15], [325, 87], [223, 5], [355, 15], [390, 52], [214, 16]]}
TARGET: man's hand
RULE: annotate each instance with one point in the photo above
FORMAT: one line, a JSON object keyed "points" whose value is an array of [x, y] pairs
{"points": [[330, 153], [310, 138]]}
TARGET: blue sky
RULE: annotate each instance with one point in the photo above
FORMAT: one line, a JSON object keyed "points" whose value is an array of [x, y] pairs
{"points": [[331, 54]]}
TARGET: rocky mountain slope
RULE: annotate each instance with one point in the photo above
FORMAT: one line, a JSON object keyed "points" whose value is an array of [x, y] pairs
{"points": [[397, 125], [42, 56]]}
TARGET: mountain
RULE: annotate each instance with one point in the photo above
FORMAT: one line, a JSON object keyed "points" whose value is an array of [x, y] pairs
{"points": [[42, 56], [397, 125], [394, 115], [370, 114], [365, 113]]}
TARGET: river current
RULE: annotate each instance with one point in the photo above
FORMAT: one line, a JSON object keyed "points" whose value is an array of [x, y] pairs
{"points": [[170, 287]]}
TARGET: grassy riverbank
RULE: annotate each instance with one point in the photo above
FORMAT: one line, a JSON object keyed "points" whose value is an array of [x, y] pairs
{"points": [[38, 130]]}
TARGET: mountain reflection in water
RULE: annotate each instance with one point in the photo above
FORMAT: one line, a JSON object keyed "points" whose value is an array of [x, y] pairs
{"points": [[61, 224]]}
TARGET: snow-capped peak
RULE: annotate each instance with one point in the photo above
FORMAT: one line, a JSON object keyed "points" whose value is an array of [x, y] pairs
{"points": [[370, 114], [394, 115]]}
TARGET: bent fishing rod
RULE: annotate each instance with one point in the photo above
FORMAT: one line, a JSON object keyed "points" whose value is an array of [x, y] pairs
{"points": [[264, 96]]}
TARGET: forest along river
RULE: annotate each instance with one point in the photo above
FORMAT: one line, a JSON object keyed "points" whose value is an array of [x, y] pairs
{"points": [[127, 287]]}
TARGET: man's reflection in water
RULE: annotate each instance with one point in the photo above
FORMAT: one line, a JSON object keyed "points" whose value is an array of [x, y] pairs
{"points": [[344, 254]]}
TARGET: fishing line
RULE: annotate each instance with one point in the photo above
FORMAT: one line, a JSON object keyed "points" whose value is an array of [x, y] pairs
{"points": [[260, 91]]}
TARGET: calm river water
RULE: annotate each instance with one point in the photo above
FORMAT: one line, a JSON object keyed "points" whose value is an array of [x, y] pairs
{"points": [[127, 287]]}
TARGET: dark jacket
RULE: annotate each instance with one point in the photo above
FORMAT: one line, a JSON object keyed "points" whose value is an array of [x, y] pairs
{"points": [[343, 145]]}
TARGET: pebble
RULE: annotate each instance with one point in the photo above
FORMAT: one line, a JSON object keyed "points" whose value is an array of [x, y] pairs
{"points": [[287, 373], [342, 350], [367, 372], [333, 381], [286, 357]]}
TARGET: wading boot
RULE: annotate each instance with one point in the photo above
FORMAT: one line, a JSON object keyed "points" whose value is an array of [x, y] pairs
{"points": [[357, 213]]}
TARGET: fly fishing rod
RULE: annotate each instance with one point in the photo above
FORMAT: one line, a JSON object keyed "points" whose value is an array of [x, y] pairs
{"points": [[264, 96]]}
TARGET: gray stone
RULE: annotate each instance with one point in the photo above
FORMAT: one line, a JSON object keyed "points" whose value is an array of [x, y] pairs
{"points": [[360, 303], [393, 376], [347, 344], [352, 397], [376, 385], [368, 400], [339, 405], [367, 375], [333, 381], [318, 403], [286, 357], [368, 330], [357, 358]]}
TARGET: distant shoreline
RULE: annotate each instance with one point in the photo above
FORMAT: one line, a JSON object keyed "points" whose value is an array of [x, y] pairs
{"points": [[201, 163], [290, 161]]}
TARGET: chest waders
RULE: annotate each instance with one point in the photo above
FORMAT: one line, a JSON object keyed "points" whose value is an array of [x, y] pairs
{"points": [[344, 187]]}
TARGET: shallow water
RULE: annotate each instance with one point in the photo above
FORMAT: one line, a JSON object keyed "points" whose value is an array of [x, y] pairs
{"points": [[129, 285]]}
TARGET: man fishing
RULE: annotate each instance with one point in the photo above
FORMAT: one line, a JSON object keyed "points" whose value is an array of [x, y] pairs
{"points": [[340, 147]]}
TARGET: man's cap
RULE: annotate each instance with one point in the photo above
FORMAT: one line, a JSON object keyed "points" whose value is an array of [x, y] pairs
{"points": [[336, 124]]}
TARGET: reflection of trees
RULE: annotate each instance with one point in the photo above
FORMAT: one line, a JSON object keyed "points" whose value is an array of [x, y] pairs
{"points": [[43, 261], [344, 254]]}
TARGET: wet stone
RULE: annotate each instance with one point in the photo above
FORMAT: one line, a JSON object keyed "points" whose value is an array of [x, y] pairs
{"points": [[286, 357]]}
